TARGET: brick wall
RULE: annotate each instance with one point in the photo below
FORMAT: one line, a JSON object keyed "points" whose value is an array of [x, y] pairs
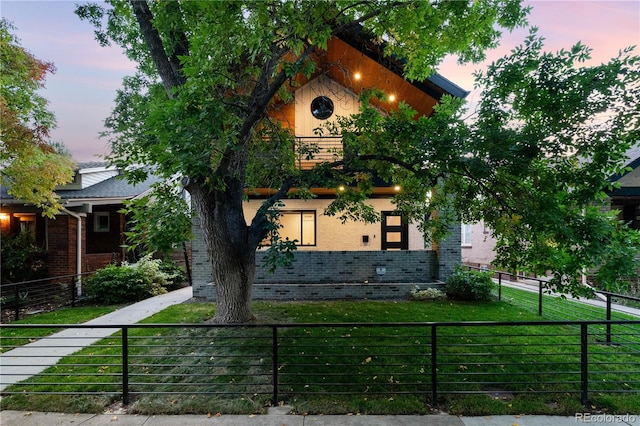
{"points": [[338, 274], [94, 261], [61, 250], [330, 291], [352, 267], [449, 252]]}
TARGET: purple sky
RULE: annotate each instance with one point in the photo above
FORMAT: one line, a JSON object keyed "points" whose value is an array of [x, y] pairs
{"points": [[82, 90]]}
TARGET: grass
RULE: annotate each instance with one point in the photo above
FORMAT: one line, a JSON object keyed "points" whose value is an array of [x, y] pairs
{"points": [[14, 337], [346, 369]]}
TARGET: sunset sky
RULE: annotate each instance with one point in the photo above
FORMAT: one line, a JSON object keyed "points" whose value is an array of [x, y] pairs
{"points": [[82, 90]]}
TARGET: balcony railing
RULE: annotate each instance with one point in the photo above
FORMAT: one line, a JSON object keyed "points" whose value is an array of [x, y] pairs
{"points": [[317, 149]]}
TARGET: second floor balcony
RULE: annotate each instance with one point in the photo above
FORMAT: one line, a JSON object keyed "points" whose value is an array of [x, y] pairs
{"points": [[312, 150]]}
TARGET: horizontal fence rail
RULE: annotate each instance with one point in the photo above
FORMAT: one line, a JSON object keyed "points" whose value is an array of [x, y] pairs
{"points": [[539, 298], [277, 362], [18, 300]]}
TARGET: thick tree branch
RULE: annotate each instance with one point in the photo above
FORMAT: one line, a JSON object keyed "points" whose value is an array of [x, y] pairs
{"points": [[256, 229], [168, 70]]}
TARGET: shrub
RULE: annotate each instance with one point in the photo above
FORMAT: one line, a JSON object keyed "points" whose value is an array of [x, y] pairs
{"points": [[126, 283], [427, 294], [177, 273], [21, 259], [470, 285], [151, 268]]}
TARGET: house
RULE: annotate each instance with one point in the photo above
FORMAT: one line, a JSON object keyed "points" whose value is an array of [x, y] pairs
{"points": [[89, 232], [626, 198], [477, 245], [329, 252]]}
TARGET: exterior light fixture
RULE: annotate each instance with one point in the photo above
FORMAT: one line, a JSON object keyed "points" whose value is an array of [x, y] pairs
{"points": [[341, 188], [357, 76], [392, 98], [397, 188]]}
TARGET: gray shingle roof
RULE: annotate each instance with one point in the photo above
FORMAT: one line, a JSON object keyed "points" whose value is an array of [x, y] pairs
{"points": [[115, 187]]}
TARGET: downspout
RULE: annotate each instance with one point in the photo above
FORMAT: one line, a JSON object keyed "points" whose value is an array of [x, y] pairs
{"points": [[78, 249]]}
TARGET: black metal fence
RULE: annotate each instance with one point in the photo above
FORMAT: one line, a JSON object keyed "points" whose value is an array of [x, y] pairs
{"points": [[542, 286], [282, 361], [18, 300]]}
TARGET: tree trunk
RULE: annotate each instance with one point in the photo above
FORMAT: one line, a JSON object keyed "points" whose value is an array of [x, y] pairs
{"points": [[232, 257]]}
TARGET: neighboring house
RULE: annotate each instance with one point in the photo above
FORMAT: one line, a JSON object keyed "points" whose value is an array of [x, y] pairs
{"points": [[626, 198], [329, 251], [89, 232], [478, 245]]}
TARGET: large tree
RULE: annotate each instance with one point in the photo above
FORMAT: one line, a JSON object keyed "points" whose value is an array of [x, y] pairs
{"points": [[538, 158], [209, 71], [31, 166]]}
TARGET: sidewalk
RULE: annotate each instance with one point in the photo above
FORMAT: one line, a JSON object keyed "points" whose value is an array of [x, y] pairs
{"points": [[47, 419]]}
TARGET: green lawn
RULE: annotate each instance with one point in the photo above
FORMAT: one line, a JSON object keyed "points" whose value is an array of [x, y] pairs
{"points": [[347, 369]]}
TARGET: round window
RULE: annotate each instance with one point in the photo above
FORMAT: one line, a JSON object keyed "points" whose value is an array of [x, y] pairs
{"points": [[322, 107]]}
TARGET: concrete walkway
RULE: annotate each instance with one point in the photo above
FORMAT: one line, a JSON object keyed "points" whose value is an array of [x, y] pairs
{"points": [[28, 360]]}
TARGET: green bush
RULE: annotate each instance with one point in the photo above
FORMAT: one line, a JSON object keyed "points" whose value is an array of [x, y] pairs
{"points": [[21, 259], [151, 268], [177, 274], [126, 283], [470, 285]]}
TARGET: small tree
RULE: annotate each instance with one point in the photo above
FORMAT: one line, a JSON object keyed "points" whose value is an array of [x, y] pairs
{"points": [[159, 221], [29, 166]]}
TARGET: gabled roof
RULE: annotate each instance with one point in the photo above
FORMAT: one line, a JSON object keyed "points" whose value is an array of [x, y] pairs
{"points": [[357, 62], [633, 162], [436, 85]]}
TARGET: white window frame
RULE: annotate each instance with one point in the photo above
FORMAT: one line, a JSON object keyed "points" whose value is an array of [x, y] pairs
{"points": [[465, 235]]}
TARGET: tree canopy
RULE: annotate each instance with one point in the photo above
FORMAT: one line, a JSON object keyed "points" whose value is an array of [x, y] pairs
{"points": [[32, 167], [210, 71], [549, 134]]}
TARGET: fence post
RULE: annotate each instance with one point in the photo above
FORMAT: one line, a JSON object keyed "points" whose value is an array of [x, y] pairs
{"points": [[499, 286], [608, 318], [539, 297], [16, 299], [125, 366], [274, 400], [74, 280], [434, 366], [584, 364]]}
